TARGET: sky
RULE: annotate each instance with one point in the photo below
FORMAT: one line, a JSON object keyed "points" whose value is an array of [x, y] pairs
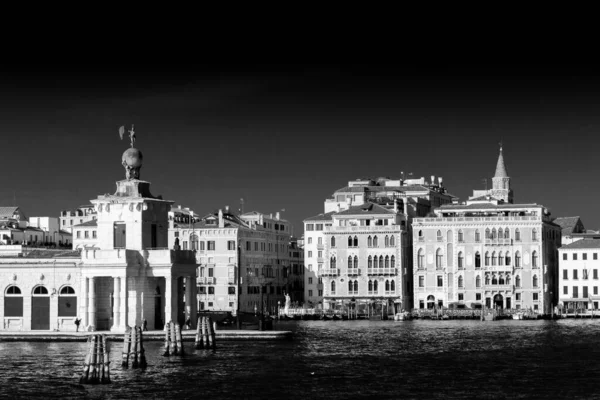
{"points": [[285, 137]]}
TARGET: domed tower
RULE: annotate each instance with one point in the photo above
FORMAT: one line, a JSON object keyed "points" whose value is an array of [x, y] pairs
{"points": [[501, 181]]}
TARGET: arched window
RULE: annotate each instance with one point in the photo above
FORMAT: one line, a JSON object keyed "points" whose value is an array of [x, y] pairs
{"points": [[500, 233], [478, 281], [355, 262], [487, 258], [387, 261], [420, 259], [349, 241], [387, 285], [439, 236], [370, 262], [194, 241], [380, 261], [67, 302], [518, 281], [355, 241], [494, 279], [332, 287], [487, 279], [517, 235], [333, 241], [393, 286], [356, 286], [517, 260], [375, 284], [477, 236], [387, 241], [508, 279], [67, 290], [350, 286], [333, 262], [477, 260], [487, 233], [506, 233], [460, 282], [500, 259], [493, 258], [501, 280], [420, 234], [461, 260], [375, 241], [494, 233], [392, 262], [370, 241], [349, 261], [438, 258], [534, 259], [535, 281], [13, 302], [392, 241], [40, 291], [534, 235], [460, 236], [507, 258], [370, 286]]}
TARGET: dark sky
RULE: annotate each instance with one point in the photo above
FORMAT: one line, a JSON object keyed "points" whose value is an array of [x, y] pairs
{"points": [[285, 137]]}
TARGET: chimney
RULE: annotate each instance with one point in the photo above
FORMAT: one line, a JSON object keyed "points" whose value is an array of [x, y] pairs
{"points": [[432, 180], [396, 206], [440, 180], [339, 208], [277, 215], [221, 222]]}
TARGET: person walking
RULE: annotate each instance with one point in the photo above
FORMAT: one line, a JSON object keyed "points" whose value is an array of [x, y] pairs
{"points": [[77, 322]]}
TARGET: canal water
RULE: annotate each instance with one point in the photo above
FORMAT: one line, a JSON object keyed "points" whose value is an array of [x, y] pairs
{"points": [[336, 360]]}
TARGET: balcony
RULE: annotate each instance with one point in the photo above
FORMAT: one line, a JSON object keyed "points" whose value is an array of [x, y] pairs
{"points": [[329, 272], [369, 229], [203, 280], [353, 271], [382, 271], [320, 259], [474, 219], [320, 246]]}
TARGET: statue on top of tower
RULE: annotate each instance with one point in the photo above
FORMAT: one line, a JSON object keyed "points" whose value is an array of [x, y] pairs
{"points": [[132, 157]]}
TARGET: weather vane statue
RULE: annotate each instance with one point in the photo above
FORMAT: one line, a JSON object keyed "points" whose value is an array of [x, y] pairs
{"points": [[132, 157]]}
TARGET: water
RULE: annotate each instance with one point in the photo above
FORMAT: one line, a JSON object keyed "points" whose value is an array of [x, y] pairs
{"points": [[337, 360]]}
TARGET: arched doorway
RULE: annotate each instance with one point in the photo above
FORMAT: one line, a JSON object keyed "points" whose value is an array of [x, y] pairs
{"points": [[40, 309], [498, 301], [430, 302]]}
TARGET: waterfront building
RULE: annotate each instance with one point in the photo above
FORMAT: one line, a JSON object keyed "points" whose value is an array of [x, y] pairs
{"points": [[487, 251], [85, 236], [16, 228], [578, 276], [367, 202], [70, 218], [572, 230], [131, 276], [295, 278], [52, 234], [223, 243]]}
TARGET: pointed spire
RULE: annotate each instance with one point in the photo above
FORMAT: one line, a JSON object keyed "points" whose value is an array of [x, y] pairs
{"points": [[500, 168]]}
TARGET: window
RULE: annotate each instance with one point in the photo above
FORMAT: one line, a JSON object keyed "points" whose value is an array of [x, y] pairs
{"points": [[255, 246], [375, 241], [387, 241], [565, 256], [595, 274], [310, 293], [461, 297], [494, 258], [565, 274], [231, 245], [535, 281], [211, 245], [574, 256], [349, 241], [500, 259], [380, 261], [460, 236], [393, 286], [487, 258], [534, 259], [333, 241], [535, 297], [387, 261], [478, 296], [488, 235], [310, 253], [421, 236], [320, 254], [518, 260], [349, 261], [355, 241], [460, 282], [585, 274], [211, 272], [517, 235], [478, 281], [439, 236], [440, 281], [585, 292], [40, 290], [565, 290], [355, 262], [518, 281], [318, 227], [420, 259], [477, 236], [78, 234], [310, 227], [438, 258], [86, 234], [595, 256], [477, 260], [392, 242], [461, 260], [518, 297], [333, 262], [574, 274], [534, 236], [421, 281], [595, 290], [309, 240], [575, 291], [370, 262], [320, 292], [500, 233], [332, 287], [211, 290], [310, 280], [94, 234], [393, 262], [13, 302]]}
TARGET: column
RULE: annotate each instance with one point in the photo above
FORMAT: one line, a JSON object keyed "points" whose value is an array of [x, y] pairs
{"points": [[168, 298], [123, 303], [190, 299], [84, 297], [116, 304], [92, 303]]}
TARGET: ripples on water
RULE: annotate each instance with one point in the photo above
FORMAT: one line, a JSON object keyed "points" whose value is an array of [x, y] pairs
{"points": [[336, 359]]}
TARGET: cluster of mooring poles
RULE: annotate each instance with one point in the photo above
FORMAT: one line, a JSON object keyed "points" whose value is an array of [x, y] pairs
{"points": [[205, 334], [173, 340], [95, 367], [133, 348]]}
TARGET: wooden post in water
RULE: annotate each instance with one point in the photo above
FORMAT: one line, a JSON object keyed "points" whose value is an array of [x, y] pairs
{"points": [[173, 343], [86, 364], [211, 341], [204, 333], [106, 362], [96, 365], [126, 348], [179, 338], [199, 341], [134, 349], [167, 339], [141, 351], [94, 360]]}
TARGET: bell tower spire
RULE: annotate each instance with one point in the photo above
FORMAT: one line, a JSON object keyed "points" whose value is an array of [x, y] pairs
{"points": [[501, 181]]}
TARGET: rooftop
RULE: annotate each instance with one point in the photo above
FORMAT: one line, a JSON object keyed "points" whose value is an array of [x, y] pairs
{"points": [[567, 224], [366, 209], [583, 244], [90, 223], [321, 217], [7, 212]]}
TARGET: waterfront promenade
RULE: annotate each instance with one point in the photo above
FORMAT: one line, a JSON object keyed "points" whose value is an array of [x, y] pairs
{"points": [[156, 335]]}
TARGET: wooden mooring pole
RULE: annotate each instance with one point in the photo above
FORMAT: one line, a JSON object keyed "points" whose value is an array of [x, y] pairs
{"points": [[126, 348], [96, 365], [199, 338]]}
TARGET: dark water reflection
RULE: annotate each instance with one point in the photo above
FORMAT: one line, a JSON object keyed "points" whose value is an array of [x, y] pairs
{"points": [[337, 359]]}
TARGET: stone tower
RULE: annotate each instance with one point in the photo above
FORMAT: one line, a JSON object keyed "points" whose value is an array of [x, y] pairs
{"points": [[501, 182]]}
